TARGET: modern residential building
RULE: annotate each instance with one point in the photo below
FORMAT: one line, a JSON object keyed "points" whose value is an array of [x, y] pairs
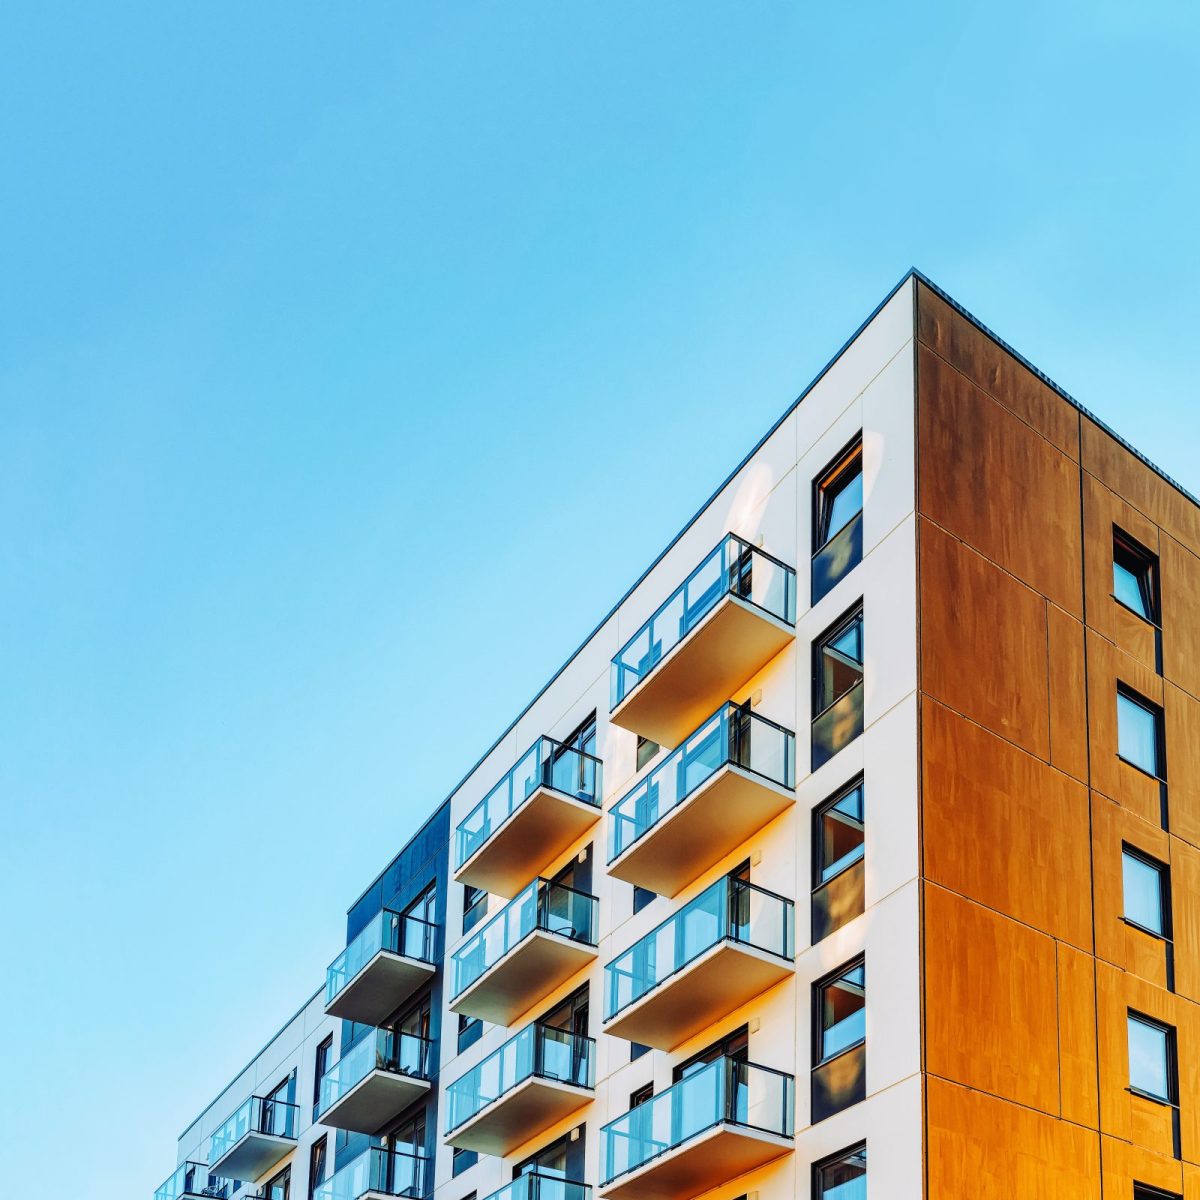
{"points": [[856, 852]]}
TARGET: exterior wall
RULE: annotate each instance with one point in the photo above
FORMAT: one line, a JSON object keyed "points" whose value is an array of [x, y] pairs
{"points": [[1029, 969]]}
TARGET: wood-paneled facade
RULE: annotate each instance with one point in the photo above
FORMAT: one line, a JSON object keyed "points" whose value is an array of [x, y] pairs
{"points": [[1029, 969]]}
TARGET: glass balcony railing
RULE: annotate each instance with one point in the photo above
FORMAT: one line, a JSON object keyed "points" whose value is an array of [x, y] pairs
{"points": [[734, 568], [733, 735], [387, 1172], [193, 1179], [551, 907], [379, 1050], [723, 1092], [538, 1051], [730, 910], [259, 1114], [546, 763], [536, 1185], [392, 931]]}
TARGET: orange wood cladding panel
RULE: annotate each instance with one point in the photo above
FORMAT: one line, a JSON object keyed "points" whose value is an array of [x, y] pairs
{"points": [[1101, 512], [1185, 914], [982, 1148], [1004, 828], [969, 350], [978, 468], [1068, 715], [1179, 571], [995, 977], [966, 603], [1182, 721], [1125, 1165], [1079, 1101]]}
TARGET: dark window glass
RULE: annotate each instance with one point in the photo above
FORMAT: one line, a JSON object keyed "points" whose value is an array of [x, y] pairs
{"points": [[470, 1030], [842, 1011], [646, 750], [843, 1177], [839, 495], [563, 1158], [318, 1164], [735, 1045], [474, 907], [641, 897], [638, 1098], [1143, 1191], [1139, 733], [1145, 888], [838, 833], [462, 1161], [1151, 1058], [324, 1053], [1135, 576], [280, 1188], [636, 1050]]}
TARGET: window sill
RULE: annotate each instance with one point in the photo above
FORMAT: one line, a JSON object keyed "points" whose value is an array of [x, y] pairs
{"points": [[1140, 616], [1158, 937], [1133, 1091], [1141, 770], [845, 1050]]}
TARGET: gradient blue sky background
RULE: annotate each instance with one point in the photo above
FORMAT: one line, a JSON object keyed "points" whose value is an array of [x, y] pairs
{"points": [[354, 358]]}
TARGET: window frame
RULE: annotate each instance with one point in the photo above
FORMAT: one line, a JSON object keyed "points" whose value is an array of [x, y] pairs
{"points": [[1145, 571], [1160, 737], [1164, 892], [854, 614], [1171, 1100], [816, 1186], [819, 1058], [836, 470], [818, 840]]}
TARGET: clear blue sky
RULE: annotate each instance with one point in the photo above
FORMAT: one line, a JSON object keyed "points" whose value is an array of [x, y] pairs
{"points": [[354, 358]]}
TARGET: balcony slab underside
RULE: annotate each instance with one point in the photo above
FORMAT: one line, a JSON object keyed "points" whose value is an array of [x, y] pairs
{"points": [[531, 1107], [535, 834], [376, 1099], [251, 1157], [707, 1161], [713, 985], [714, 820], [529, 971], [380, 988], [732, 644]]}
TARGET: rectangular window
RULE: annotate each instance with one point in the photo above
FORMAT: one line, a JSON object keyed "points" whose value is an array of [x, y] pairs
{"points": [[636, 1050], [280, 1188], [638, 1098], [838, 847], [842, 1012], [1146, 892], [1139, 733], [837, 694], [842, 1177], [470, 1030], [474, 906], [646, 750], [321, 1065], [1152, 1059], [463, 1160], [318, 1163], [837, 520], [1135, 577], [641, 897]]}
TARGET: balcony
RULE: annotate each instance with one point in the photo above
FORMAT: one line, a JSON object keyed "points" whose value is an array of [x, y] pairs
{"points": [[375, 1081], [728, 945], [548, 800], [389, 961], [534, 1185], [723, 624], [193, 1181], [535, 1079], [254, 1139], [378, 1173], [712, 1127], [537, 941], [724, 783]]}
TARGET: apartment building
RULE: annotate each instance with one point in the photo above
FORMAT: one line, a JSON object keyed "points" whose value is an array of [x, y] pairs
{"points": [[841, 860]]}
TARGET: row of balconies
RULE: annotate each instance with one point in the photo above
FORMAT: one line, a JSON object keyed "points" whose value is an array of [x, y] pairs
{"points": [[727, 778]]}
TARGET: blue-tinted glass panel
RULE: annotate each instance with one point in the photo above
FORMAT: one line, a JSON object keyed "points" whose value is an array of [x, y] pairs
{"points": [[1143, 884], [1137, 734], [1127, 587], [843, 1179], [843, 1011], [1149, 1058], [840, 834]]}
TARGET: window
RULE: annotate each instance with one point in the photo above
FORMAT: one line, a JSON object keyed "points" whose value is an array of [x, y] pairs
{"points": [[463, 1160], [644, 1093], [646, 750], [324, 1054], [837, 520], [837, 687], [1146, 892], [280, 1188], [1135, 577], [641, 897], [842, 1011], [1151, 1059], [470, 1030], [839, 839], [1139, 734], [838, 845], [636, 1050], [1143, 1191], [317, 1164], [563, 1158], [843, 1177], [474, 906]]}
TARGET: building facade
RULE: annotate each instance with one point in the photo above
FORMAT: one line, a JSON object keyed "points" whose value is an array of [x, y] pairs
{"points": [[841, 860]]}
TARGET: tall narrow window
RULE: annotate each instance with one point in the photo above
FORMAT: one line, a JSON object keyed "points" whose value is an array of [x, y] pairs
{"points": [[837, 520], [318, 1164], [1146, 893], [1140, 733], [474, 906], [1152, 1069], [842, 1177], [838, 847], [321, 1066], [839, 1040], [1135, 577], [837, 687], [646, 750]]}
